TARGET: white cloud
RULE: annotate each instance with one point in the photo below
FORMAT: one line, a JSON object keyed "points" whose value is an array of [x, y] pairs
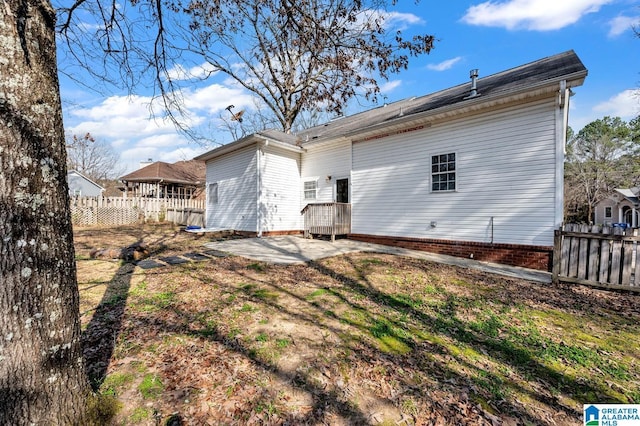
{"points": [[178, 73], [539, 15], [395, 20], [625, 105], [115, 106], [180, 154], [216, 97], [129, 125], [620, 24], [390, 86], [445, 65], [401, 21], [132, 117], [169, 148], [161, 141], [202, 71]]}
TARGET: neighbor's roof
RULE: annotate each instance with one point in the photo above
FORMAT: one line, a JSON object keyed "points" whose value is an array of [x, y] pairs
{"points": [[630, 194], [190, 172], [541, 76], [75, 172]]}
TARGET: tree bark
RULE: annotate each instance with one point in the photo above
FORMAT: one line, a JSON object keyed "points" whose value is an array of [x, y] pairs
{"points": [[42, 378]]}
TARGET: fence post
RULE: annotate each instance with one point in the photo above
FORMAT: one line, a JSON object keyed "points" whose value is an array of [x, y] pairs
{"points": [[557, 248]]}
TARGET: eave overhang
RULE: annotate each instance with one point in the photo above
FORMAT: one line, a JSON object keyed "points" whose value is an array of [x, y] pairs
{"points": [[249, 140]]}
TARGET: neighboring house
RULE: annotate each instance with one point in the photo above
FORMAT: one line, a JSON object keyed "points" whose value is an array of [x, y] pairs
{"points": [[82, 186], [468, 172], [620, 207], [181, 180]]}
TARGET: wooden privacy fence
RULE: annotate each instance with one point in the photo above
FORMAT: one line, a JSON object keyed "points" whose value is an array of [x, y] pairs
{"points": [[188, 217], [125, 211], [327, 219], [598, 256]]}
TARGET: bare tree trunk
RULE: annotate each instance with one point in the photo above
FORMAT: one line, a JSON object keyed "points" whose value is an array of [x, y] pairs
{"points": [[42, 378]]}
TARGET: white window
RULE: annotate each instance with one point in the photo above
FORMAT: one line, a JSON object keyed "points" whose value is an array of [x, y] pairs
{"points": [[310, 189], [213, 193], [443, 172], [608, 213]]}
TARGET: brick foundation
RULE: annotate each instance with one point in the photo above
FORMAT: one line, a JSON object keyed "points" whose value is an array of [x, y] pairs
{"points": [[533, 257]]}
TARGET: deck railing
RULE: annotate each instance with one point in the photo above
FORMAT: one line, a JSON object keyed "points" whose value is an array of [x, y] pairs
{"points": [[327, 219]]}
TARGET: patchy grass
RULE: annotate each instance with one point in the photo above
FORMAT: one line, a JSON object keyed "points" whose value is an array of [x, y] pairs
{"points": [[355, 339], [140, 415], [151, 386], [116, 381]]}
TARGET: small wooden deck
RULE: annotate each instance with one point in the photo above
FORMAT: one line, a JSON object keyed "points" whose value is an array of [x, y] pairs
{"points": [[327, 219]]}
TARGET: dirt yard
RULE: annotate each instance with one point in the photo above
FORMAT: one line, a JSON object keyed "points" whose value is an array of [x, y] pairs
{"points": [[349, 340]]}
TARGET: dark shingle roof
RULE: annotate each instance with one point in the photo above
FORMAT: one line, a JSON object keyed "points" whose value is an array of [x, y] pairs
{"points": [[279, 136], [544, 71], [190, 172]]}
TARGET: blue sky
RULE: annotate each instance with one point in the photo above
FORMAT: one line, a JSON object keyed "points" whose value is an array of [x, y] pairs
{"points": [[491, 36]]}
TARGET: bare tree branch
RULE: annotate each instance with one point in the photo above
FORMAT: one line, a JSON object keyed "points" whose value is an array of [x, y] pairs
{"points": [[295, 56]]}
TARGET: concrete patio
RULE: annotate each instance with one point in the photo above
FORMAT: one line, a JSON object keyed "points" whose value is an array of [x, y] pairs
{"points": [[296, 250]]}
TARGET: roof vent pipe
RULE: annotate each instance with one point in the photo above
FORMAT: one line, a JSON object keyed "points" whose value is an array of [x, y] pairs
{"points": [[473, 74]]}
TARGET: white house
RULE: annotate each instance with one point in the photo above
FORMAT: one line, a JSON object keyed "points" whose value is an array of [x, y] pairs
{"points": [[82, 186], [622, 206], [475, 170]]}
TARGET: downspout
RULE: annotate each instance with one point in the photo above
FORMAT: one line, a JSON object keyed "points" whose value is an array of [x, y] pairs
{"points": [[562, 123], [492, 221], [259, 190]]}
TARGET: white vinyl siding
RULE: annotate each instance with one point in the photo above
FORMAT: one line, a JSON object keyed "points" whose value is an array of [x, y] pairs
{"points": [[505, 178], [323, 160], [235, 175], [280, 178]]}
